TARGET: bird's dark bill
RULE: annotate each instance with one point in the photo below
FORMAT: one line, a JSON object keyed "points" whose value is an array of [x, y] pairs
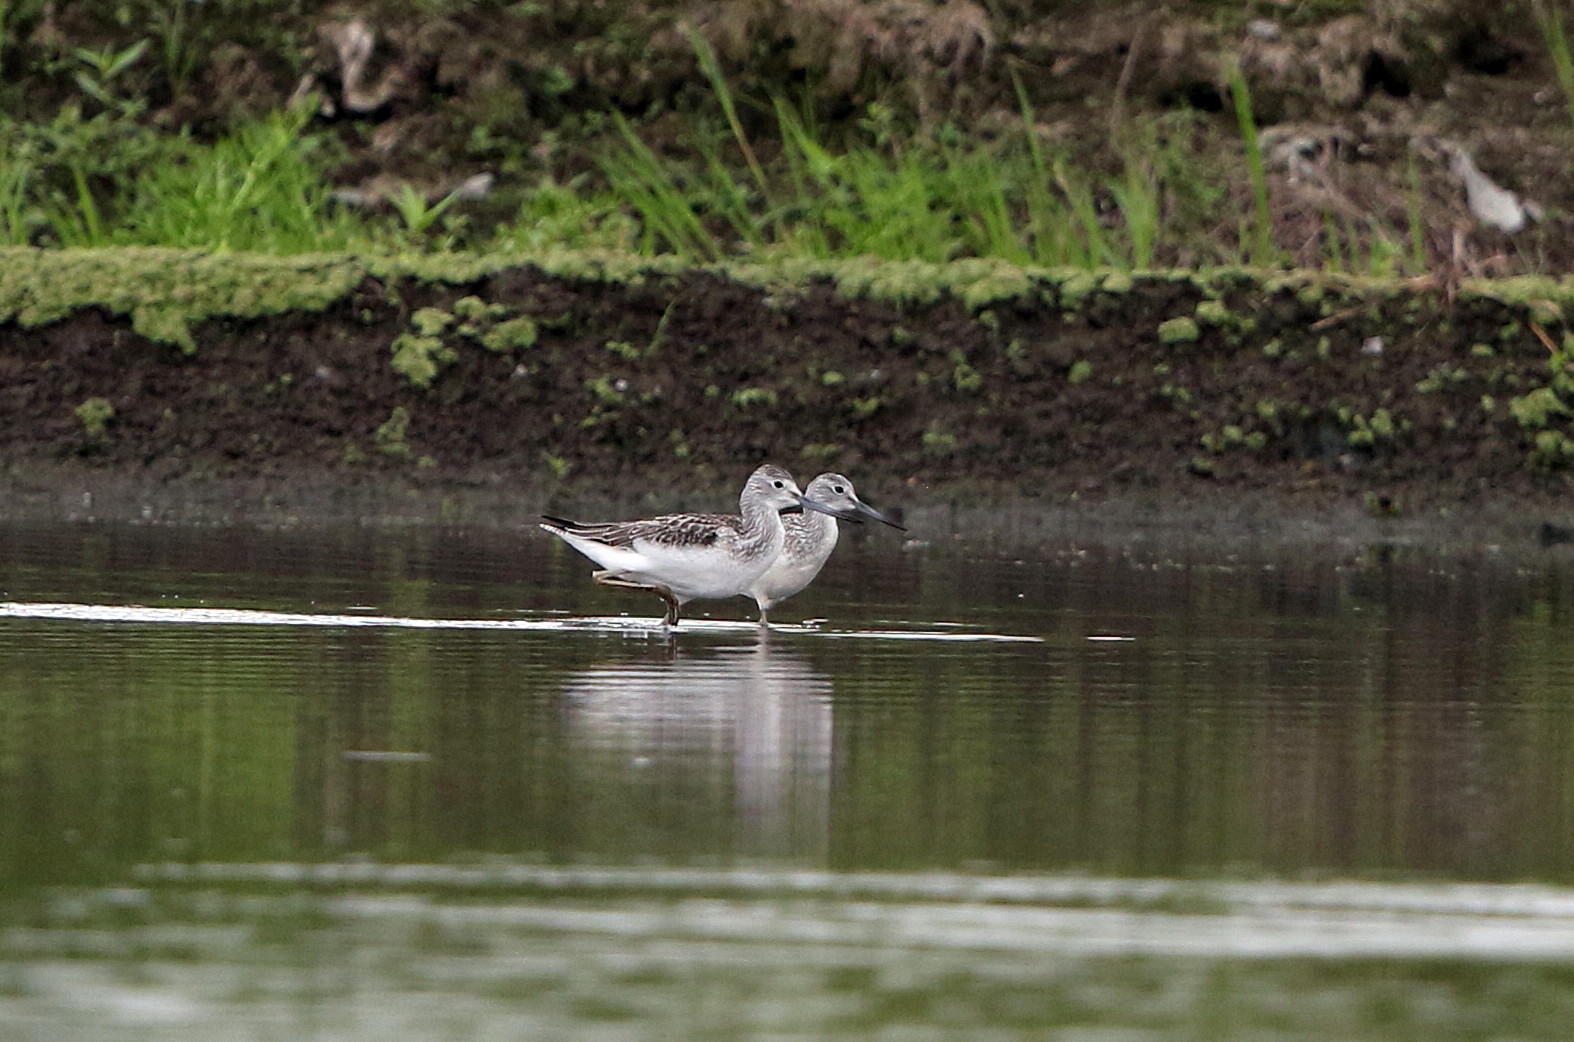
{"points": [[868, 511]]}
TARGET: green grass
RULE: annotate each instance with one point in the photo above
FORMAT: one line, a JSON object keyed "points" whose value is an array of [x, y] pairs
{"points": [[1417, 224], [260, 189], [908, 196], [667, 208], [1261, 250], [566, 216], [98, 175], [891, 192], [1550, 20], [266, 186], [922, 200]]}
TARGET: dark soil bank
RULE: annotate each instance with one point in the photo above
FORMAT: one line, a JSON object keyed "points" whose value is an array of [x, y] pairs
{"points": [[581, 378]]}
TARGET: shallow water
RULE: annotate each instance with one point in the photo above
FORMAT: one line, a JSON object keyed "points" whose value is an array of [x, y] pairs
{"points": [[428, 783]]}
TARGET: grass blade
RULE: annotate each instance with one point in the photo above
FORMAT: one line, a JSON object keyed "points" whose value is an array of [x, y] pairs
{"points": [[1262, 250]]}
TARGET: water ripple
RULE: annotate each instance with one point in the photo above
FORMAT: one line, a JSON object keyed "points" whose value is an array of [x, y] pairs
{"points": [[135, 613], [1065, 915]]}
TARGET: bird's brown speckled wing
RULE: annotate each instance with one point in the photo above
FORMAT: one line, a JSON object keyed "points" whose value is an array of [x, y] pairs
{"points": [[670, 530]]}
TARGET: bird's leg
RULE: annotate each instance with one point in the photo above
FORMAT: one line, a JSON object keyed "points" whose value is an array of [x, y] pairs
{"points": [[606, 578], [764, 625]]}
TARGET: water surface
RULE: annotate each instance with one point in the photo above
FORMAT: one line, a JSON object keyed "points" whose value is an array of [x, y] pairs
{"points": [[355, 783]]}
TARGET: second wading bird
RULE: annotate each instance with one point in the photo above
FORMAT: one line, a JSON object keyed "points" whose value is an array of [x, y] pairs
{"points": [[810, 539], [685, 557]]}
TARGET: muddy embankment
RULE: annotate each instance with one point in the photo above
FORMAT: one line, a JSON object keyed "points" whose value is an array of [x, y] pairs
{"points": [[161, 384]]}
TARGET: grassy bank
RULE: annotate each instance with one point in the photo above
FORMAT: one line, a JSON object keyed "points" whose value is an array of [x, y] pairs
{"points": [[267, 186], [926, 138]]}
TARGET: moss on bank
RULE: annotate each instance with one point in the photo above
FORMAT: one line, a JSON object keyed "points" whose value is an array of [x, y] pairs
{"points": [[940, 372], [41, 286]]}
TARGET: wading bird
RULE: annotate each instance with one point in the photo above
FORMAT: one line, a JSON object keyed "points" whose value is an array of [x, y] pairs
{"points": [[810, 539], [686, 557]]}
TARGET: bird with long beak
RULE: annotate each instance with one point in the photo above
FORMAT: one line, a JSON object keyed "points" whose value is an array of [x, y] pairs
{"points": [[810, 538], [686, 557]]}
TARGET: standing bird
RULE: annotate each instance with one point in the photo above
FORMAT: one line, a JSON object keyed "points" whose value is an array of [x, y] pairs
{"points": [[685, 557], [810, 540]]}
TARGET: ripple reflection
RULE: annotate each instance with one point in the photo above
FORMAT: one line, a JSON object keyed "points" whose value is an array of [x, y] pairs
{"points": [[761, 711]]}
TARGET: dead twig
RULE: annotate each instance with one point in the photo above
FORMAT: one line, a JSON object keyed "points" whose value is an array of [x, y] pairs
{"points": [[1117, 104], [1541, 335], [1336, 317]]}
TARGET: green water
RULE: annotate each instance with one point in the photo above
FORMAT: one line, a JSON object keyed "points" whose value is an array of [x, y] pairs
{"points": [[1211, 790]]}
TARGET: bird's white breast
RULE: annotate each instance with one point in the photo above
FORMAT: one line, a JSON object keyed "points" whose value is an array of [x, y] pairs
{"points": [[810, 538]]}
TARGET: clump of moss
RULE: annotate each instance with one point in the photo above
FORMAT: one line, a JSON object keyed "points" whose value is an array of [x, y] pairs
{"points": [[1213, 313], [392, 437], [1552, 449], [1233, 435], [558, 465], [1076, 289], [1368, 432], [607, 390], [1536, 409], [965, 378], [747, 397], [894, 282], [474, 310], [514, 334], [1442, 376], [1117, 282], [164, 325], [94, 415], [1230, 436], [938, 442], [431, 321], [1181, 330], [479, 321], [981, 281], [167, 291], [420, 358]]}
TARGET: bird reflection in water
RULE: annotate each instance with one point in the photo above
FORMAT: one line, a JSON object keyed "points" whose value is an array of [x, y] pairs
{"points": [[756, 715]]}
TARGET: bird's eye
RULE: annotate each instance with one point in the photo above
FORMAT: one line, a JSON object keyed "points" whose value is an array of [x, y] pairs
{"points": [[838, 489], [778, 484]]}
